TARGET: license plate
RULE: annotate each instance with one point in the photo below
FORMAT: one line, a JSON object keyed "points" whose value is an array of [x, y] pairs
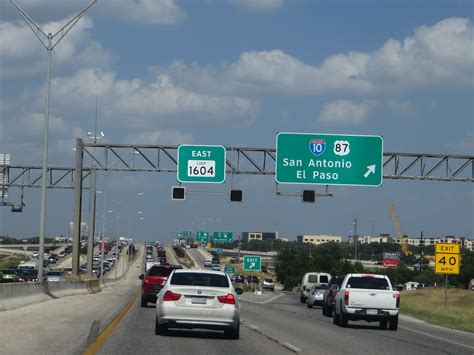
{"points": [[372, 311], [196, 300]]}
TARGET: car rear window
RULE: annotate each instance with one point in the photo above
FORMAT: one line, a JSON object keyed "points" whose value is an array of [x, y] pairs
{"points": [[372, 283], [312, 279], [199, 279], [160, 271]]}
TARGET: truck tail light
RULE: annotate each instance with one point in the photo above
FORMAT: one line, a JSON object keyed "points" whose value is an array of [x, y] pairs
{"points": [[171, 296], [397, 296], [346, 298]]}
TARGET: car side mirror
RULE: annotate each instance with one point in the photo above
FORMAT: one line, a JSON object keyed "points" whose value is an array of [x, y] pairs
{"points": [[141, 277], [239, 291], [334, 288]]}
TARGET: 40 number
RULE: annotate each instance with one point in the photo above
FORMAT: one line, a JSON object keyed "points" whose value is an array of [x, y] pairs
{"points": [[451, 261]]}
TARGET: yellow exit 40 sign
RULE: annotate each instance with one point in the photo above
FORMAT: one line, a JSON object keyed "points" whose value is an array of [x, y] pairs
{"points": [[447, 259]]}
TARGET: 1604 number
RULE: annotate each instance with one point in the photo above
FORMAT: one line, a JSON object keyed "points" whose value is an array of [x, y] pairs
{"points": [[204, 168]]}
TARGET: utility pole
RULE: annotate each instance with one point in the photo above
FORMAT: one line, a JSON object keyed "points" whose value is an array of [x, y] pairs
{"points": [[48, 41], [356, 238], [422, 242]]}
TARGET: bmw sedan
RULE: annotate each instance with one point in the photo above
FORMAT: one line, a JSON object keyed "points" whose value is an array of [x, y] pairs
{"points": [[193, 298]]}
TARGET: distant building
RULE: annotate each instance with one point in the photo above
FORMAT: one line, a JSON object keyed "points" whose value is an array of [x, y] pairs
{"points": [[318, 239], [250, 236], [428, 241], [367, 239]]}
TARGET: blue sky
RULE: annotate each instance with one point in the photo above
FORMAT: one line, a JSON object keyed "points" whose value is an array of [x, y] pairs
{"points": [[236, 73]]}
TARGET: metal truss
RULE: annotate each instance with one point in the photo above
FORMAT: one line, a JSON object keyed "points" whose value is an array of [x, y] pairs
{"points": [[255, 161]]}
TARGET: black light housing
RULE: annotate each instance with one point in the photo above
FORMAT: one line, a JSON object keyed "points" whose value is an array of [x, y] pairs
{"points": [[236, 195], [178, 193], [309, 195], [17, 208]]}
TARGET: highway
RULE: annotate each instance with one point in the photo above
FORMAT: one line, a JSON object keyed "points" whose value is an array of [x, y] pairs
{"points": [[273, 323]]}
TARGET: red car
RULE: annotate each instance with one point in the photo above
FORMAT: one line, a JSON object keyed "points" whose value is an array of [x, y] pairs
{"points": [[154, 280]]}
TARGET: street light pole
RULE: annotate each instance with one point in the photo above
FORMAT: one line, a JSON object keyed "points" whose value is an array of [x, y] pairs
{"points": [[47, 42]]}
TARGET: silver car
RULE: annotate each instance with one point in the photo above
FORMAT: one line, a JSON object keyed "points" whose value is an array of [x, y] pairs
{"points": [[316, 295], [53, 276], [193, 298]]}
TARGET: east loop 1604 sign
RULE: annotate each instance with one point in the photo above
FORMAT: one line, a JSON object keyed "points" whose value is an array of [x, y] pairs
{"points": [[313, 158], [201, 163]]}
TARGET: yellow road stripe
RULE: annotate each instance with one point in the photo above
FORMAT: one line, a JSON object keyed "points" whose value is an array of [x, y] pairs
{"points": [[95, 346]]}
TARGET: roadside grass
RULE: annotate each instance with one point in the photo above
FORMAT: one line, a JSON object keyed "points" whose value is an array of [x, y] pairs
{"points": [[10, 262], [428, 305]]}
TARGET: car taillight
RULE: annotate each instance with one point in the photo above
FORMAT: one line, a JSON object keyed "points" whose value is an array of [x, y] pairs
{"points": [[397, 296], [146, 281], [228, 299], [346, 298], [171, 296]]}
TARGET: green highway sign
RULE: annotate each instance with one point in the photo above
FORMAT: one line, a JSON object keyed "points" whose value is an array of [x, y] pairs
{"points": [[229, 270], [202, 237], [315, 158], [219, 250], [252, 263], [223, 237], [201, 163]]}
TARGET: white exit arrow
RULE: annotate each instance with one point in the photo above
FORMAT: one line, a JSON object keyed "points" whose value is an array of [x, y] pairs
{"points": [[370, 170], [252, 265]]}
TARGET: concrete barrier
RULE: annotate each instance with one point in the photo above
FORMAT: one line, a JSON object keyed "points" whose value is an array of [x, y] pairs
{"points": [[16, 295]]}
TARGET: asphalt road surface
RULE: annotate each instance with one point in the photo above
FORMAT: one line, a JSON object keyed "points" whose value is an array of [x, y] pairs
{"points": [[272, 323]]}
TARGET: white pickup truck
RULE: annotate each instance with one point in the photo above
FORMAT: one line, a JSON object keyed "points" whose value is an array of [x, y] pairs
{"points": [[367, 297]]}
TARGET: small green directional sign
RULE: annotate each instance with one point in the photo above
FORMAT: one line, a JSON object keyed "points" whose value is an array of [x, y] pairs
{"points": [[252, 263], [315, 158], [223, 237], [229, 270], [219, 251], [202, 237]]}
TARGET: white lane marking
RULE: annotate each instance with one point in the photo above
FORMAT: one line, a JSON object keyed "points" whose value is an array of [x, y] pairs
{"points": [[261, 302], [436, 337], [253, 327], [291, 347]]}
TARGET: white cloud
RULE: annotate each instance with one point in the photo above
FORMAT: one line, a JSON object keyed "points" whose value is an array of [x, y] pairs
{"points": [[344, 112], [163, 137], [151, 12], [149, 102], [441, 53], [259, 5]]}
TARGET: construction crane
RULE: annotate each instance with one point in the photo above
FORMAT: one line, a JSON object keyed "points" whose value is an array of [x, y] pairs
{"points": [[402, 240]]}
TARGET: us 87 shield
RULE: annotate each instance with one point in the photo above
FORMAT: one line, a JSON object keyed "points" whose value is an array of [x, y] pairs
{"points": [[205, 168]]}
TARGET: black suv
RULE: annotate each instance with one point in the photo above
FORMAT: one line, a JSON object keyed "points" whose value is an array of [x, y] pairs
{"points": [[330, 293]]}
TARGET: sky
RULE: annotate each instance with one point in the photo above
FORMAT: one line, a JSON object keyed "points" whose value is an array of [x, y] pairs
{"points": [[235, 73]]}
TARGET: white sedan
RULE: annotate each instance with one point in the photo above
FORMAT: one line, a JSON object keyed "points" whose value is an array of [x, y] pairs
{"points": [[193, 298]]}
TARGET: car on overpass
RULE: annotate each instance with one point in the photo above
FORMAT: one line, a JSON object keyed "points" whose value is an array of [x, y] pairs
{"points": [[194, 298]]}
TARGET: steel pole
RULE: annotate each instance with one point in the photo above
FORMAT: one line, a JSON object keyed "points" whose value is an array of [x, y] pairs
{"points": [[44, 168], [76, 237]]}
